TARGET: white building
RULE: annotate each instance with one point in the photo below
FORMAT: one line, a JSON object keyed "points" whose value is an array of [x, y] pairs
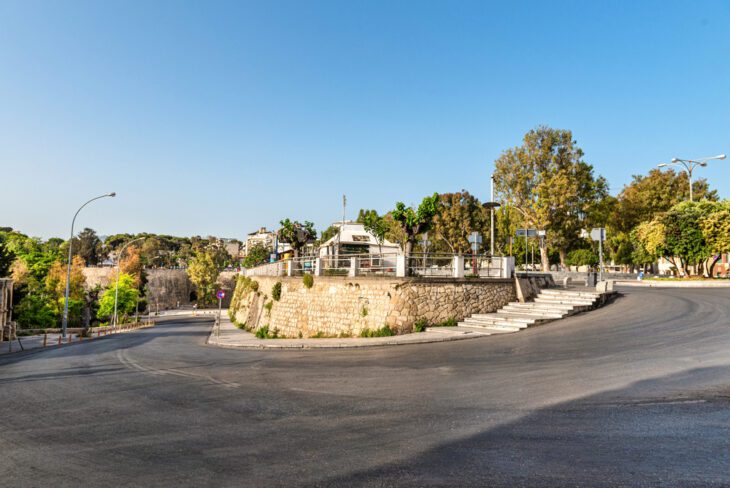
{"points": [[261, 236], [352, 238]]}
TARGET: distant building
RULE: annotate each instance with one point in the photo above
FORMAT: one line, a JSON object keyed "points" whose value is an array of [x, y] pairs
{"points": [[352, 238], [262, 236], [232, 247]]}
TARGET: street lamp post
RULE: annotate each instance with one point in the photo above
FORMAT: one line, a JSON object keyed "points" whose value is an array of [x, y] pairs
{"points": [[116, 289], [64, 321], [689, 165], [491, 205]]}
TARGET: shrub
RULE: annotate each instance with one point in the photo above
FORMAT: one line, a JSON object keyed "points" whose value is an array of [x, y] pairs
{"points": [[581, 257], [254, 285], [276, 291], [308, 280], [364, 311], [420, 325], [265, 333], [384, 331], [450, 322], [268, 305]]}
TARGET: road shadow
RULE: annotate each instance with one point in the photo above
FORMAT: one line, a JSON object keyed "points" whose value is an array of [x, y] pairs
{"points": [[616, 438]]}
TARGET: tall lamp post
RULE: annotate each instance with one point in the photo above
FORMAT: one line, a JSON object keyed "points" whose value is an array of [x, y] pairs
{"points": [[64, 321], [689, 165], [491, 205], [116, 289]]}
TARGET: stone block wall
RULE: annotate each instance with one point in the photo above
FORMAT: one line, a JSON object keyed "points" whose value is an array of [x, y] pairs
{"points": [[345, 306]]}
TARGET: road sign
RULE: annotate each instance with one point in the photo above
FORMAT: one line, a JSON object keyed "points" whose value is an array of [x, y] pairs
{"points": [[220, 295], [475, 238], [598, 234], [527, 232]]}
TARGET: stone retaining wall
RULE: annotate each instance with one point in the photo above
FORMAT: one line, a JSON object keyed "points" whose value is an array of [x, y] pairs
{"points": [[345, 306]]}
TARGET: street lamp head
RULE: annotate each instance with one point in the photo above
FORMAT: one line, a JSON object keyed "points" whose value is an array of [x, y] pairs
{"points": [[674, 160], [703, 163], [721, 156], [491, 204], [112, 194], [661, 165]]}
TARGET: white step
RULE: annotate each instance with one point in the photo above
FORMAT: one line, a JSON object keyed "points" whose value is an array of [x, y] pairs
{"points": [[579, 294], [491, 329], [490, 322], [499, 316], [540, 307], [530, 315], [458, 330], [535, 312], [564, 301]]}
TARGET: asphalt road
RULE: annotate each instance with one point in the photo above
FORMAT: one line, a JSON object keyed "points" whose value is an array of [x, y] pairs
{"points": [[636, 393]]}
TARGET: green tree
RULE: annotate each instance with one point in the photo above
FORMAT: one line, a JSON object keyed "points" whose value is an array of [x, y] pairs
{"points": [[6, 259], [296, 234], [683, 235], [126, 300], [653, 194], [203, 272], [375, 225], [258, 254], [550, 185], [457, 216], [413, 222], [88, 245], [35, 311], [328, 233], [582, 257], [716, 232]]}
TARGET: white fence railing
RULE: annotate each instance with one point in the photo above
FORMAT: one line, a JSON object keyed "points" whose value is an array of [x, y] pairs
{"points": [[417, 265]]}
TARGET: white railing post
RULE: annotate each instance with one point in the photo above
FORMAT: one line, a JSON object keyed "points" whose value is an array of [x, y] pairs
{"points": [[353, 267], [400, 266], [289, 267], [458, 266], [318, 267]]}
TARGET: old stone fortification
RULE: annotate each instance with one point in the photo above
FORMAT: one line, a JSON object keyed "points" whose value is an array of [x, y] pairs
{"points": [[345, 306], [167, 288]]}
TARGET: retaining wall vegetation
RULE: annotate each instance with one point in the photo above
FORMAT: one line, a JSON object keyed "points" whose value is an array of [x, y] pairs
{"points": [[345, 306]]}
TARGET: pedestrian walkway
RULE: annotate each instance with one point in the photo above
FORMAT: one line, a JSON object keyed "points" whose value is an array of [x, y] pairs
{"points": [[232, 336], [54, 339]]}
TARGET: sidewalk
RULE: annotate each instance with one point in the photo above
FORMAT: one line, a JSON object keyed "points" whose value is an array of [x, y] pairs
{"points": [[35, 342], [233, 337]]}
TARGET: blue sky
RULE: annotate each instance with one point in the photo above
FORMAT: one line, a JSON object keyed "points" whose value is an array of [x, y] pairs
{"points": [[217, 118]]}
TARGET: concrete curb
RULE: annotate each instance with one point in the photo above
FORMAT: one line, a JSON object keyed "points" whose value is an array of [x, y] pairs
{"points": [[676, 284], [246, 340]]}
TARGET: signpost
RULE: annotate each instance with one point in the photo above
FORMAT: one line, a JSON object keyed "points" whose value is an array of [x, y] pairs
{"points": [[526, 233], [221, 295], [599, 234]]}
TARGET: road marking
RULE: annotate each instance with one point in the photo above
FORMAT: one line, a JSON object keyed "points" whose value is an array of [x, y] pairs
{"points": [[124, 358]]}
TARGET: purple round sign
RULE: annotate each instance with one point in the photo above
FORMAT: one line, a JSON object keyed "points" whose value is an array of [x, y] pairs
{"points": [[221, 294]]}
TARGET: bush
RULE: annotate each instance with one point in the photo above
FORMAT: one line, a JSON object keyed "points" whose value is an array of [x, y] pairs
{"points": [[276, 291], [384, 331], [420, 325], [268, 306], [364, 311], [265, 333], [308, 280], [450, 322], [582, 257], [254, 285]]}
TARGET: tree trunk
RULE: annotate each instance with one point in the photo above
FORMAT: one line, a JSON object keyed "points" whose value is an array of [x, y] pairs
{"points": [[563, 256], [711, 268], [544, 256]]}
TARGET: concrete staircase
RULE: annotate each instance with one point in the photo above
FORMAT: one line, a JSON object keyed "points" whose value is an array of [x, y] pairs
{"points": [[550, 304]]}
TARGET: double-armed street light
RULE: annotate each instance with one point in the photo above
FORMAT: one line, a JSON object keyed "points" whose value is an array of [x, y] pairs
{"points": [[116, 290], [64, 321], [689, 165], [491, 205]]}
